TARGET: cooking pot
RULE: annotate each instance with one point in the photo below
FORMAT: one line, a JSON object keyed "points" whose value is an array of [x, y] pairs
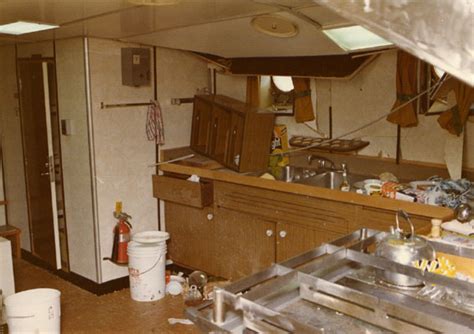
{"points": [[404, 249]]}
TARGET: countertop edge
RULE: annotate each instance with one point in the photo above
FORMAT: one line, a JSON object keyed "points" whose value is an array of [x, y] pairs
{"points": [[312, 191]]}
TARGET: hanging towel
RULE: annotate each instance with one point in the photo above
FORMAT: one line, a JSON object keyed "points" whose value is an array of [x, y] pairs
{"points": [[303, 106], [408, 68], [155, 130], [455, 118]]}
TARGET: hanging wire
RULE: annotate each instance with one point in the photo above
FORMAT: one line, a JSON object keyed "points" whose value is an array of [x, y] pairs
{"points": [[378, 119]]}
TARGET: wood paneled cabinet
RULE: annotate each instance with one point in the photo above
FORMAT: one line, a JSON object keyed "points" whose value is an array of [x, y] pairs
{"points": [[246, 229], [245, 244], [293, 239], [193, 236], [233, 244], [231, 132]]}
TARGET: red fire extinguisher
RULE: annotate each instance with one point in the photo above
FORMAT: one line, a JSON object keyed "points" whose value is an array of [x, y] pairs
{"points": [[121, 238]]}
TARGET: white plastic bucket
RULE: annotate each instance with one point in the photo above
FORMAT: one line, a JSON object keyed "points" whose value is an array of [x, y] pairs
{"points": [[34, 311], [146, 267]]}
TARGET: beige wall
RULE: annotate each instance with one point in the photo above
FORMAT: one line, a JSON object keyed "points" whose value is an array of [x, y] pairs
{"points": [[10, 129], [122, 151], [232, 85], [179, 74], [75, 157], [45, 49]]}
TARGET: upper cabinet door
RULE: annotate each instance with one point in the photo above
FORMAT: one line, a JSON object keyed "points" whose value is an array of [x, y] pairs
{"points": [[231, 132], [236, 139], [220, 133], [201, 126]]}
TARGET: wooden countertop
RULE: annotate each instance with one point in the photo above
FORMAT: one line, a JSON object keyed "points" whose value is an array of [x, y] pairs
{"points": [[312, 191]]}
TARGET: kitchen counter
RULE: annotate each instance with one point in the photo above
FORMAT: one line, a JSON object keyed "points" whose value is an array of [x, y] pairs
{"points": [[240, 223], [311, 191]]}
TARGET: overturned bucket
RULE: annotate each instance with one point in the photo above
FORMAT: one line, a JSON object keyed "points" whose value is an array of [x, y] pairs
{"points": [[146, 265], [34, 311]]}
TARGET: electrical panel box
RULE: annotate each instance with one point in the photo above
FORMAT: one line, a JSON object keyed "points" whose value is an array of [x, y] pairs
{"points": [[136, 67]]}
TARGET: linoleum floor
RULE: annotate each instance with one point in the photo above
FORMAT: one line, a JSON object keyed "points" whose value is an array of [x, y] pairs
{"points": [[84, 312]]}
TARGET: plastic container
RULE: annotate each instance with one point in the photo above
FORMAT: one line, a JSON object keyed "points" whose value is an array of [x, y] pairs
{"points": [[146, 267], [34, 311]]}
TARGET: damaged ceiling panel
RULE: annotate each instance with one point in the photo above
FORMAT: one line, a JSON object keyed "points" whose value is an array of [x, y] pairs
{"points": [[440, 32]]}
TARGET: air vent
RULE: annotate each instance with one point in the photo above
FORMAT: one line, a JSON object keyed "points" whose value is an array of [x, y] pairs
{"points": [[275, 26]]}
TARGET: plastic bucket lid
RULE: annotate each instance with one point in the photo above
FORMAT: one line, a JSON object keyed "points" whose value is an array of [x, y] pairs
{"points": [[151, 237]]}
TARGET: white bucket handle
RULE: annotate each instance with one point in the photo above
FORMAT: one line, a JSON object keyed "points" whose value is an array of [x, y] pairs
{"points": [[153, 266], [20, 316]]}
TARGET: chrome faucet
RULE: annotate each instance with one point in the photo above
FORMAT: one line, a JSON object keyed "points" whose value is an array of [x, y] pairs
{"points": [[322, 161], [344, 167]]}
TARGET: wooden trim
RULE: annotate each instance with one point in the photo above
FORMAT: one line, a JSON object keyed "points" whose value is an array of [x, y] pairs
{"points": [[3, 202], [311, 191], [78, 280], [25, 177], [58, 112], [328, 67]]}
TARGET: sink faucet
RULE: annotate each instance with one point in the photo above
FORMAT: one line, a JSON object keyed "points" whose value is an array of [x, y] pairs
{"points": [[322, 161], [344, 167]]}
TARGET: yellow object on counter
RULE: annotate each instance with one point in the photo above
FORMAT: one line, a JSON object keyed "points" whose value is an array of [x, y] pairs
{"points": [[441, 266], [279, 145]]}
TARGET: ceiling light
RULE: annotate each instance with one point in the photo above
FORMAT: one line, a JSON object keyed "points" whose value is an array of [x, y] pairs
{"points": [[155, 2], [274, 26], [21, 27], [355, 38]]}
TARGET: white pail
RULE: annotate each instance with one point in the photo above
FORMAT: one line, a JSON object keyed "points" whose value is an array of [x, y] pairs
{"points": [[146, 267], [34, 311]]}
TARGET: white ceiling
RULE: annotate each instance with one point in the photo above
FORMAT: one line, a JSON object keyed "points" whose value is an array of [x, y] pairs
{"points": [[438, 31], [220, 27]]}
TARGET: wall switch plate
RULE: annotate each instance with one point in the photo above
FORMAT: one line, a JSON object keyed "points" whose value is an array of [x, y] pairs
{"points": [[67, 127]]}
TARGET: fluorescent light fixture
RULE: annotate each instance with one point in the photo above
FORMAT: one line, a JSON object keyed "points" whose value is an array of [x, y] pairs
{"points": [[355, 38], [22, 27]]}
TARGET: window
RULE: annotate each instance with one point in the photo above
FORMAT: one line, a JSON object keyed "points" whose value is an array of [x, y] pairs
{"points": [[276, 94]]}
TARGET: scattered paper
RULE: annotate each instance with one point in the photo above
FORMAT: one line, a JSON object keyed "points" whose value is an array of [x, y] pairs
{"points": [[174, 321], [193, 178]]}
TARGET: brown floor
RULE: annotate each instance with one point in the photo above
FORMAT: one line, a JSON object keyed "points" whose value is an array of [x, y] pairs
{"points": [[82, 311]]}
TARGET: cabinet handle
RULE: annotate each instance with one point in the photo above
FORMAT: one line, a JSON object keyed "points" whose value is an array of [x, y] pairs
{"points": [[269, 233], [210, 216], [282, 234]]}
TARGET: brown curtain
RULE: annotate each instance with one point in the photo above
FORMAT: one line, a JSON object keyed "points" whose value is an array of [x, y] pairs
{"points": [[253, 87], [303, 106], [407, 73], [455, 118]]}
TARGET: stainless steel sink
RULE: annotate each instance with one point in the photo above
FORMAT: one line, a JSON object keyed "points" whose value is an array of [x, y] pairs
{"points": [[316, 177], [331, 179]]}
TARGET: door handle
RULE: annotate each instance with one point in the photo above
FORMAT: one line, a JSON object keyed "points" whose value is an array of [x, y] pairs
{"points": [[269, 233], [44, 174], [282, 234]]}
